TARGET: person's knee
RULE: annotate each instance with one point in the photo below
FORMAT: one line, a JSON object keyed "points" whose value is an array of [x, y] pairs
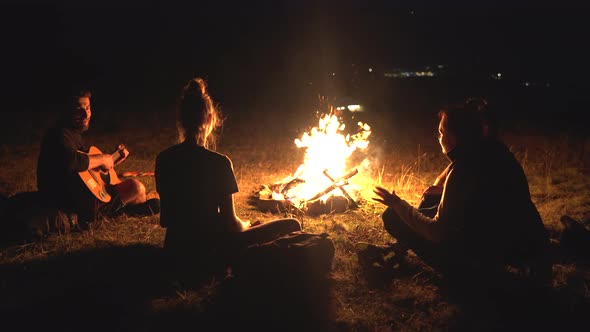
{"points": [[131, 191], [138, 188], [290, 225], [295, 225], [389, 214], [389, 218]]}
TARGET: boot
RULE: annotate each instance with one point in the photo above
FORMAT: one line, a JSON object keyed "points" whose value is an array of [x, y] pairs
{"points": [[378, 263], [148, 208], [575, 237], [112, 209]]}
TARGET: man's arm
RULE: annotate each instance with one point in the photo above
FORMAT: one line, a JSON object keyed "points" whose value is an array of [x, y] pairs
{"points": [[104, 161], [65, 147]]}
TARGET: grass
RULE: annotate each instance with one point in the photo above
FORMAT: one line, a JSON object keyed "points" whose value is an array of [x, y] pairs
{"points": [[110, 276]]}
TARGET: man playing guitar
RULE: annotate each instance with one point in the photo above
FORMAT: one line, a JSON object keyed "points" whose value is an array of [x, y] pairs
{"points": [[65, 166]]}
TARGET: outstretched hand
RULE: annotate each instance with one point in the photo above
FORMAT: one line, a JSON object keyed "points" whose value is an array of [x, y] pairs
{"points": [[384, 196]]}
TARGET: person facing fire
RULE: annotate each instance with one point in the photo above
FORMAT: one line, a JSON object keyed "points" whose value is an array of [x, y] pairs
{"points": [[486, 221], [63, 156], [489, 126], [196, 185]]}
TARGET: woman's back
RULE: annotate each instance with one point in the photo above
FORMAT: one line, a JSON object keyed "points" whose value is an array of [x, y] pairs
{"points": [[191, 181]]}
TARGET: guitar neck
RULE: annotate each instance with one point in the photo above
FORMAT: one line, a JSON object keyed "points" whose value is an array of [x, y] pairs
{"points": [[116, 156], [119, 154]]}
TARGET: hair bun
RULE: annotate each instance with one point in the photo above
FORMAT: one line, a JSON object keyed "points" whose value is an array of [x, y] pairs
{"points": [[193, 84]]}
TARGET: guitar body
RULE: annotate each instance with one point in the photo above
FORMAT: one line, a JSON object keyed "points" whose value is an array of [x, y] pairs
{"points": [[97, 180]]}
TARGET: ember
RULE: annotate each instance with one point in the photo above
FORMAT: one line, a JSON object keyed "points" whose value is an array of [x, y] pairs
{"points": [[324, 182]]}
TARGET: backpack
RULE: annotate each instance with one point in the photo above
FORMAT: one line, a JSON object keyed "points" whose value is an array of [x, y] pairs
{"points": [[25, 217], [295, 256], [283, 281]]}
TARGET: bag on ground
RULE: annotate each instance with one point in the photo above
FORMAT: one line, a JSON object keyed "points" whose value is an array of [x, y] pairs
{"points": [[297, 255]]}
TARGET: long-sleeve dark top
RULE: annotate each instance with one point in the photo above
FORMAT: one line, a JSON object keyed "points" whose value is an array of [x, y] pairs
{"points": [[61, 158], [486, 207]]}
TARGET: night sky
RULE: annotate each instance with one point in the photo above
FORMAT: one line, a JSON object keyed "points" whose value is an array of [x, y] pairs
{"points": [[140, 52]]}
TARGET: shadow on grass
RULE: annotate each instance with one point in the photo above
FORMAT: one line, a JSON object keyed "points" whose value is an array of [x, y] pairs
{"points": [[282, 304], [484, 303], [127, 288], [516, 306], [96, 289]]}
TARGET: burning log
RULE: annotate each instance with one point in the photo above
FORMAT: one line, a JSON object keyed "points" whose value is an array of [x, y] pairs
{"points": [[344, 192], [285, 188], [266, 202], [334, 204], [335, 184], [313, 205]]}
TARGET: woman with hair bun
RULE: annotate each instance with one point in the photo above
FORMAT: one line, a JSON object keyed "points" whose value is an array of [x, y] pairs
{"points": [[196, 186]]}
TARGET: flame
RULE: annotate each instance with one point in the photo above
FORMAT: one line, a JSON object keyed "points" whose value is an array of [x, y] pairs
{"points": [[328, 152]]}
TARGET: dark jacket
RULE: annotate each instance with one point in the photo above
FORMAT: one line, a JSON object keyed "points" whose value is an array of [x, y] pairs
{"points": [[485, 210], [62, 156]]}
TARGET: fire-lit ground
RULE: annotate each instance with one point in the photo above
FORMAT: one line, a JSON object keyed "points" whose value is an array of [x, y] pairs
{"points": [[111, 277]]}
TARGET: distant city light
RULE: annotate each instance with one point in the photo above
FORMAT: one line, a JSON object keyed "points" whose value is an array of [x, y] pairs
{"points": [[354, 108], [536, 84], [405, 74]]}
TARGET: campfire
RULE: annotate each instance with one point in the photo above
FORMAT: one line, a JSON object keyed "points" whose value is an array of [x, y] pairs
{"points": [[331, 175]]}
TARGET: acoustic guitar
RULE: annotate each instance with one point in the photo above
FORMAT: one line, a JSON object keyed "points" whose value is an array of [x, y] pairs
{"points": [[96, 180]]}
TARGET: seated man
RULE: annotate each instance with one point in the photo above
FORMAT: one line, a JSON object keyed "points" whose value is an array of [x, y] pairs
{"points": [[63, 156], [486, 221]]}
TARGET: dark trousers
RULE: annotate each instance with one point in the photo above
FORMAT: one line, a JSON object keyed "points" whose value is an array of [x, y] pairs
{"points": [[193, 257], [409, 239], [457, 264], [406, 237]]}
